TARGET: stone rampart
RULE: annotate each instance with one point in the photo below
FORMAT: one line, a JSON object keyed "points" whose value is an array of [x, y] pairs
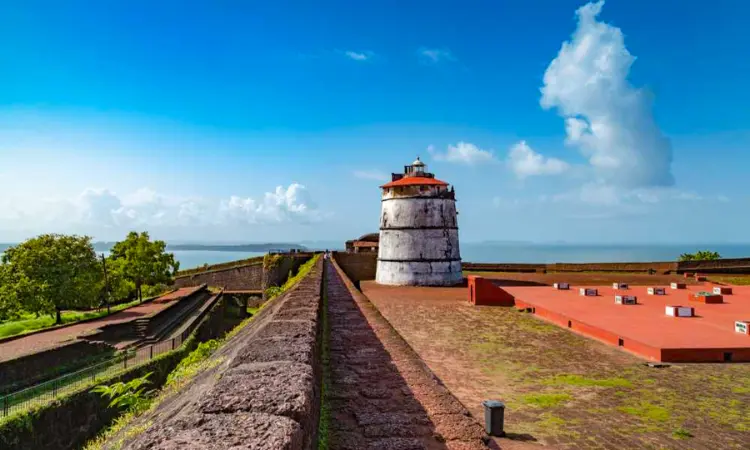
{"points": [[362, 266], [265, 394], [219, 266], [245, 275]]}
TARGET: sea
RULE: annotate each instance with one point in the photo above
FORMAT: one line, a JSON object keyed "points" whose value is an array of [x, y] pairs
{"points": [[518, 253]]}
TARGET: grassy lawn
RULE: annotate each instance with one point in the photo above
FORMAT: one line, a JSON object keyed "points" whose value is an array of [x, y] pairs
{"points": [[561, 387], [29, 322]]}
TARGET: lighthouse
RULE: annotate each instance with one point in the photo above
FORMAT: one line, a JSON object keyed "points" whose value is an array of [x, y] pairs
{"points": [[418, 231]]}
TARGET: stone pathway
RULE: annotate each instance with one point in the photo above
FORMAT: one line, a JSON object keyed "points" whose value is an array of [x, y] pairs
{"points": [[381, 395]]}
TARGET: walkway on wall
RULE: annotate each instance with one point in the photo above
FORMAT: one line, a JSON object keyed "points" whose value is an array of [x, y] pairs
{"points": [[381, 395]]}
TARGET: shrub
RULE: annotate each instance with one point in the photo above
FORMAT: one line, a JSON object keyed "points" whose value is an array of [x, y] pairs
{"points": [[131, 396], [702, 255]]}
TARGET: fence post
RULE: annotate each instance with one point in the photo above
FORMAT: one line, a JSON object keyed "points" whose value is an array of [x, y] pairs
{"points": [[172, 343], [151, 352], [54, 388], [125, 360], [5, 405]]}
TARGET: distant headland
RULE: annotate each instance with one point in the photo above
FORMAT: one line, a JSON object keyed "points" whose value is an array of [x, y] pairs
{"points": [[258, 248]]}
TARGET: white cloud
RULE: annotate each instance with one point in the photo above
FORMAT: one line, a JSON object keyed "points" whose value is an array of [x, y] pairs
{"points": [[691, 196], [359, 56], [525, 162], [370, 175], [462, 153], [606, 118], [435, 55], [102, 208], [292, 204]]}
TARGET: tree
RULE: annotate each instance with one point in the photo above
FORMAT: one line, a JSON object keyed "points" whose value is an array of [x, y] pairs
{"points": [[10, 306], [52, 272], [702, 255], [142, 261]]}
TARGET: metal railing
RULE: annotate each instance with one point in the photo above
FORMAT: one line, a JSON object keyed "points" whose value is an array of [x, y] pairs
{"points": [[57, 387]]}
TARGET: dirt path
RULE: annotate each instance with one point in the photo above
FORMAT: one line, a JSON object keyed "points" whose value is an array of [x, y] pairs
{"points": [[381, 394], [37, 342]]}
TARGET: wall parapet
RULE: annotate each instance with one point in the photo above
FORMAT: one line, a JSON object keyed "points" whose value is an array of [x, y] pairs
{"points": [[265, 393], [246, 276], [220, 266], [363, 266]]}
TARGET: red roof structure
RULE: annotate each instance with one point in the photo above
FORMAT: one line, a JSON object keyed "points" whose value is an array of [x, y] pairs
{"points": [[415, 181]]}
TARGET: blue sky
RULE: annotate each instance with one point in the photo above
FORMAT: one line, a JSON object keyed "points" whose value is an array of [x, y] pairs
{"points": [[244, 121]]}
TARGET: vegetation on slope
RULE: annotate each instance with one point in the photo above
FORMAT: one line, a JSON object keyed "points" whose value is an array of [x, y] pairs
{"points": [[275, 291]]}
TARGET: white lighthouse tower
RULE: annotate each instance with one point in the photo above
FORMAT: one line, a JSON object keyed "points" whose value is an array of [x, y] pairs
{"points": [[418, 231]]}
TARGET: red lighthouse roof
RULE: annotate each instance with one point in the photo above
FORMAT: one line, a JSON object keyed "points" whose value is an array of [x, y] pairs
{"points": [[415, 181]]}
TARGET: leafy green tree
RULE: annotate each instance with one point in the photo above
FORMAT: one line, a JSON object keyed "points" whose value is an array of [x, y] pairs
{"points": [[120, 287], [702, 255], [10, 305], [143, 261], [52, 272]]}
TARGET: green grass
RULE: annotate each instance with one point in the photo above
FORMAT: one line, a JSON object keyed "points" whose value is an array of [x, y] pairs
{"points": [[192, 363], [578, 380], [28, 322], [681, 433], [738, 280], [325, 407], [253, 311], [647, 412], [545, 400]]}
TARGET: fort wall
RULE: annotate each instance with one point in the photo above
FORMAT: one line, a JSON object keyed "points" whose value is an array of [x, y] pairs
{"points": [[266, 392], [362, 266], [243, 275], [357, 266]]}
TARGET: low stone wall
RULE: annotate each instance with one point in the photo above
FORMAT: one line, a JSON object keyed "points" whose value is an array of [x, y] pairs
{"points": [[507, 267], [357, 266], [657, 267], [729, 266], [35, 368], [363, 266]]}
